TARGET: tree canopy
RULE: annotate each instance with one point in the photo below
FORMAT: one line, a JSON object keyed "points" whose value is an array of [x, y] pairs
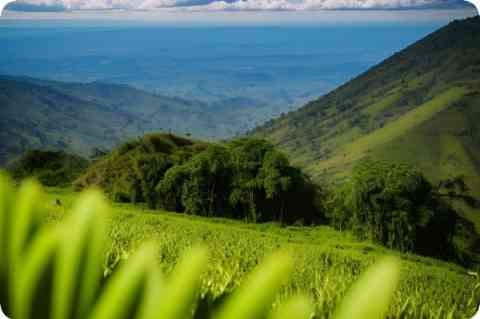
{"points": [[395, 205], [244, 179]]}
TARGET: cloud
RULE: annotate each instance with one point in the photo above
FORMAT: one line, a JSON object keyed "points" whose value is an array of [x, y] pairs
{"points": [[222, 5]]}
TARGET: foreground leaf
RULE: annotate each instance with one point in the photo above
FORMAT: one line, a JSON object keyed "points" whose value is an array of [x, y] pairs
{"points": [[254, 298], [126, 287], [182, 287], [79, 268], [370, 296]]}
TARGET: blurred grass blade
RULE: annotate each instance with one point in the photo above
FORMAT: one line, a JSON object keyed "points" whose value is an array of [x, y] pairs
{"points": [[26, 221], [32, 293], [183, 285], [126, 287], [253, 299], [151, 302], [6, 199], [298, 307], [79, 268], [370, 296]]}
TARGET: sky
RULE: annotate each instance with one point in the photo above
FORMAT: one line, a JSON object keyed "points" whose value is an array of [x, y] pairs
{"points": [[229, 5], [240, 12]]}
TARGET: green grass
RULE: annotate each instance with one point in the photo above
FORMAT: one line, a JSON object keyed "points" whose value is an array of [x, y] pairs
{"points": [[383, 103], [326, 262], [393, 130]]}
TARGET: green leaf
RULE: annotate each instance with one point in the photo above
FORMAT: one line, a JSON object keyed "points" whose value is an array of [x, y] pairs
{"points": [[26, 221], [254, 298], [31, 296], [79, 268], [153, 294], [298, 307], [126, 287], [182, 287], [6, 199], [370, 296]]}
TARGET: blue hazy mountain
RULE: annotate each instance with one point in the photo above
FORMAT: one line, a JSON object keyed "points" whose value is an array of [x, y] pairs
{"points": [[276, 69]]}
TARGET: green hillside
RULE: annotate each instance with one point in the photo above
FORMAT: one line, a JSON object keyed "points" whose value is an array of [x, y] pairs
{"points": [[82, 117], [420, 106]]}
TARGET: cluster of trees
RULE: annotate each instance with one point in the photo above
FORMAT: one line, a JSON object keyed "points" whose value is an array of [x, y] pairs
{"points": [[244, 179], [394, 204]]}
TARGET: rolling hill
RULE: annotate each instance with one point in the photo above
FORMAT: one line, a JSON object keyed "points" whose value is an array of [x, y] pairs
{"points": [[420, 106], [81, 117]]}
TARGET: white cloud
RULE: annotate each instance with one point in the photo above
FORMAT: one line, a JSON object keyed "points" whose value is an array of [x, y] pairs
{"points": [[315, 4], [234, 5]]}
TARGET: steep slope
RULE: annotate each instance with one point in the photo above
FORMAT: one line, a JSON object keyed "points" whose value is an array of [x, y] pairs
{"points": [[420, 106]]}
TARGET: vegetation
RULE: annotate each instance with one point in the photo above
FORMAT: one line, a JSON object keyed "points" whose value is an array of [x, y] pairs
{"points": [[78, 117], [390, 203], [55, 272], [51, 168], [373, 138], [243, 179], [325, 262], [418, 106], [131, 172], [396, 206]]}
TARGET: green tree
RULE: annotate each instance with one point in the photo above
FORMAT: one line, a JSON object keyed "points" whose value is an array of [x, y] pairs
{"points": [[393, 204]]}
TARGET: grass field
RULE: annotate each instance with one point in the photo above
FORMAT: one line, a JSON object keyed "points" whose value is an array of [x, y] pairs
{"points": [[327, 262]]}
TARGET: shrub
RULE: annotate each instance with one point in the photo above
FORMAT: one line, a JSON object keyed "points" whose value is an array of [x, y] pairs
{"points": [[51, 168]]}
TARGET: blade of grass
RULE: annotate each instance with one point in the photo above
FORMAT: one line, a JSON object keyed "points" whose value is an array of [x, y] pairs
{"points": [[25, 223], [298, 307], [182, 286], [125, 287], [370, 296], [6, 198], [254, 298], [31, 296], [78, 266]]}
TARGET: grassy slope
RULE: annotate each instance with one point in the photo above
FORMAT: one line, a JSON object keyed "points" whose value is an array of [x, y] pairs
{"points": [[390, 102], [420, 106], [391, 132], [326, 261]]}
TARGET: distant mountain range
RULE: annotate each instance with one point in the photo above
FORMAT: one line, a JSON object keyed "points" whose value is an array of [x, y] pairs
{"points": [[80, 117], [421, 106]]}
